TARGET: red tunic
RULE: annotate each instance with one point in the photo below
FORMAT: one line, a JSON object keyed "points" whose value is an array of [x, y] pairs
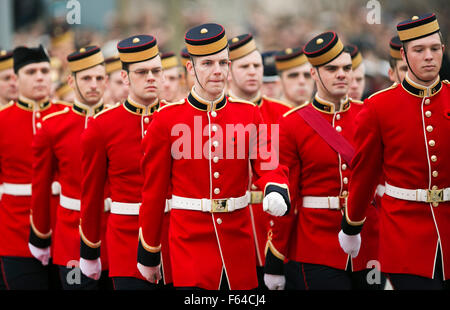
{"points": [[19, 123], [309, 235], [57, 148], [203, 244], [111, 154], [403, 132]]}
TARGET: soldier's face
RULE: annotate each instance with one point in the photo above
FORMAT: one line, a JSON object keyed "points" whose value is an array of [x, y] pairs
{"points": [[247, 73], [34, 81], [397, 74], [91, 84], [335, 76], [8, 85], [212, 73], [358, 83], [118, 90], [297, 83], [145, 79], [171, 85], [424, 56]]}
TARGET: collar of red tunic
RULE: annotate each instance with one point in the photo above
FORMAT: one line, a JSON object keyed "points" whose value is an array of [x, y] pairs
{"points": [[202, 104], [328, 107], [139, 109], [85, 110], [32, 105], [256, 100], [421, 91]]}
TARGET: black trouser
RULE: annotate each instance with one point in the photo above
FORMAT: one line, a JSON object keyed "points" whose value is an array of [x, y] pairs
{"points": [[74, 279], [130, 283], [25, 273], [2, 281], [320, 277], [413, 282]]}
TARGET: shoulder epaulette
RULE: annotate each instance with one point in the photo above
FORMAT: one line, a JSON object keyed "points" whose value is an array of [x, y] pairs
{"points": [[8, 105], [446, 81], [170, 104], [295, 109], [277, 101], [235, 100], [64, 111], [383, 90], [118, 104], [61, 102]]}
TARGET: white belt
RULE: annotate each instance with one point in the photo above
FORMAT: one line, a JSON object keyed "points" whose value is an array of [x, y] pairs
{"points": [[126, 208], [25, 189], [381, 189], [17, 189], [420, 195], [208, 205], [331, 202], [75, 204]]}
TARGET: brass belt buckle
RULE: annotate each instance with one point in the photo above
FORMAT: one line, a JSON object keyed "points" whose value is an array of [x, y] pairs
{"points": [[435, 195], [343, 202], [219, 205], [256, 197]]}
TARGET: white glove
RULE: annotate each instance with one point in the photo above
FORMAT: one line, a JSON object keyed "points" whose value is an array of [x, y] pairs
{"points": [[56, 188], [91, 268], [274, 204], [151, 274], [274, 281], [350, 244], [43, 255]]}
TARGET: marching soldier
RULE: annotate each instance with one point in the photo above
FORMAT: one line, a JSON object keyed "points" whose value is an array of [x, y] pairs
{"points": [[315, 144], [212, 242], [57, 148], [188, 80], [117, 90], [408, 143], [8, 80], [111, 155], [398, 66], [32, 67], [271, 86], [246, 72], [295, 74], [357, 86], [8, 92], [172, 78]]}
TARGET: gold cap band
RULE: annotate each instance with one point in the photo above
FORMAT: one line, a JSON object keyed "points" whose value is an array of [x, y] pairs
{"points": [[86, 63], [419, 31], [208, 49], [291, 63], [244, 50], [169, 62], [7, 64], [140, 56], [328, 56]]}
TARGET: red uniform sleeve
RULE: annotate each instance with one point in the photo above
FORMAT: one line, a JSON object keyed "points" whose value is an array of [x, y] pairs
{"points": [[156, 169], [94, 172], [44, 167], [367, 168], [278, 238], [264, 157]]}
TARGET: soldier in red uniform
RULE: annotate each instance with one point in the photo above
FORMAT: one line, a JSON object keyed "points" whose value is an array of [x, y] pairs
{"points": [[210, 234], [32, 66], [57, 148], [8, 80], [245, 81], [408, 143], [111, 154], [8, 92], [172, 90], [295, 76], [398, 66], [358, 84], [315, 143]]}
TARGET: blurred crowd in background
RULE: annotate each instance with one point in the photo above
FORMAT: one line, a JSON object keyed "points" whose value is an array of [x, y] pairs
{"points": [[276, 25]]}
